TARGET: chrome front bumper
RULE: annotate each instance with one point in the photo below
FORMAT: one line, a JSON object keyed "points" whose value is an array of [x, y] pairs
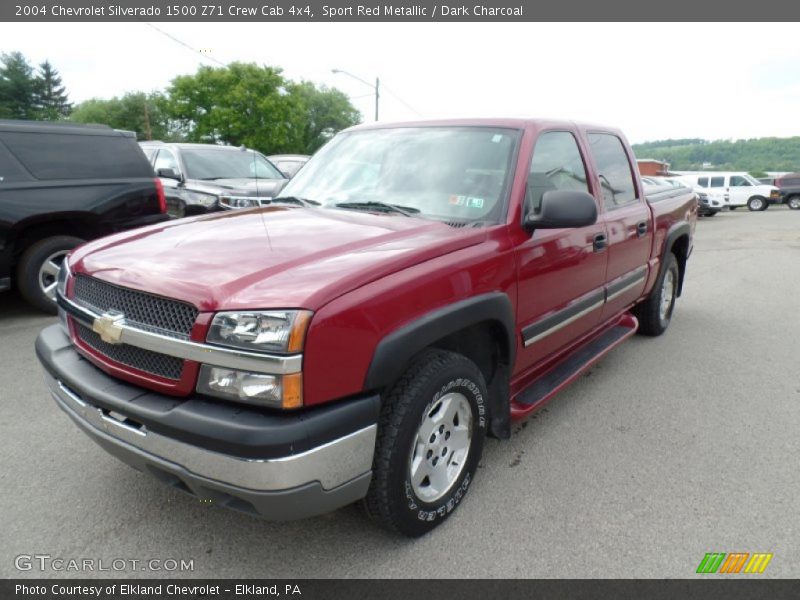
{"points": [[270, 466]]}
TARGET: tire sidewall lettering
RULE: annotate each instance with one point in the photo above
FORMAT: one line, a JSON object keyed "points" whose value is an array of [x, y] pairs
{"points": [[449, 502]]}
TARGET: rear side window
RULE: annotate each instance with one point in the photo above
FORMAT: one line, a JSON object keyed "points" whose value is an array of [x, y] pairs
{"points": [[702, 181], [614, 169], [717, 182], [556, 165], [10, 170], [68, 156]]}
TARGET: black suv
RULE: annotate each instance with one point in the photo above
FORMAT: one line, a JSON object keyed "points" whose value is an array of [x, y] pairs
{"points": [[200, 178], [61, 184]]}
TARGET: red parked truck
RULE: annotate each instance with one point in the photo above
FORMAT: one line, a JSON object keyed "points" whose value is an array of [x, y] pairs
{"points": [[415, 288]]}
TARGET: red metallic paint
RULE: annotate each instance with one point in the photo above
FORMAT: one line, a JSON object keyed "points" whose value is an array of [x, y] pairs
{"points": [[365, 275]]}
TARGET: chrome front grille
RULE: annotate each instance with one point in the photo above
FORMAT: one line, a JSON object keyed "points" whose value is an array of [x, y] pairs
{"points": [[154, 363], [145, 311]]}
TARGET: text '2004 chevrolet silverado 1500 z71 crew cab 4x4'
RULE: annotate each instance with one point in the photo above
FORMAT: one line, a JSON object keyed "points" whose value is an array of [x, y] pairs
{"points": [[414, 288]]}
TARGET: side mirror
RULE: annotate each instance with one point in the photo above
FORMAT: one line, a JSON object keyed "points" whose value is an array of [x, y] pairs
{"points": [[563, 208], [167, 173]]}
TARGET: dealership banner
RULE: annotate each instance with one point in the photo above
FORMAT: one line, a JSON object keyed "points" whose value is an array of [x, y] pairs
{"points": [[402, 10], [361, 589]]}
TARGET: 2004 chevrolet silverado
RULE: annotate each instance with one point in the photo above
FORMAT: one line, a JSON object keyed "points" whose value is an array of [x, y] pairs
{"points": [[414, 288]]}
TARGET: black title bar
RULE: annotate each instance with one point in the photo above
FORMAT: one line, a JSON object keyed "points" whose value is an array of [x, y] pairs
{"points": [[243, 11], [326, 589]]}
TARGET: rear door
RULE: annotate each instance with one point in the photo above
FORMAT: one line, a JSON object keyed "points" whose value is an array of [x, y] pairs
{"points": [[561, 273], [627, 220], [718, 189]]}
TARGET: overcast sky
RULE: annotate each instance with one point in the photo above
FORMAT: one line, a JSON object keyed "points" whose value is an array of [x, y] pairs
{"points": [[655, 81]]}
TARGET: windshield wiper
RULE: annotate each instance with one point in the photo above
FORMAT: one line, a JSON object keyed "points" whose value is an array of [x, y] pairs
{"points": [[293, 200], [406, 211]]}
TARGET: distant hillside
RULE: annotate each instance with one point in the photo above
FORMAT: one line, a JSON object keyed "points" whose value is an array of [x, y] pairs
{"points": [[761, 154]]}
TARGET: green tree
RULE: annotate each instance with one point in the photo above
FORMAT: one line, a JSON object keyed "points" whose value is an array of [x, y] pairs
{"points": [[17, 87], [763, 154], [252, 105], [50, 95], [135, 111], [322, 112]]}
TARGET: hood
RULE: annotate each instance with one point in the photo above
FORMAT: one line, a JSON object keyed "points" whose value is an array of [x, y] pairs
{"points": [[238, 187], [272, 257]]}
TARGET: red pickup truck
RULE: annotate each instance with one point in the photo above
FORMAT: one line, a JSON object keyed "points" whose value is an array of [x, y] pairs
{"points": [[414, 288]]}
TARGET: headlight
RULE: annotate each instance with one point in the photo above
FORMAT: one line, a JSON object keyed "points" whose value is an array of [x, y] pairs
{"points": [[280, 331], [190, 197], [277, 391], [242, 201]]}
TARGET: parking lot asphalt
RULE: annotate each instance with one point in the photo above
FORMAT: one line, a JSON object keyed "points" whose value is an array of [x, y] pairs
{"points": [[669, 448]]}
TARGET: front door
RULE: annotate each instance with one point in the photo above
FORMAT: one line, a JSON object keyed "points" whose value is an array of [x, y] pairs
{"points": [[561, 271], [739, 190]]}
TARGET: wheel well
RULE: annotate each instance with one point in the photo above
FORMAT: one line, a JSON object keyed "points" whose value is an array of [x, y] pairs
{"points": [[30, 234], [486, 344], [680, 248]]}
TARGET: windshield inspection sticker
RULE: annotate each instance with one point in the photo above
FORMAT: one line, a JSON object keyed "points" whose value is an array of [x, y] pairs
{"points": [[468, 201]]}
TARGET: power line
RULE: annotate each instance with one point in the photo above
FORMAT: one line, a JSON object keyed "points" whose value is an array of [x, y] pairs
{"points": [[400, 100], [184, 44]]}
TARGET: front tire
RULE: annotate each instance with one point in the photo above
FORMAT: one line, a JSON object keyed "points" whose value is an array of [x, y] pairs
{"points": [[38, 269], [655, 312], [430, 438], [757, 204], [794, 202]]}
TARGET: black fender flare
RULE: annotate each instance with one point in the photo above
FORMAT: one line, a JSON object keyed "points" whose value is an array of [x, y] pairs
{"points": [[674, 232], [395, 351]]}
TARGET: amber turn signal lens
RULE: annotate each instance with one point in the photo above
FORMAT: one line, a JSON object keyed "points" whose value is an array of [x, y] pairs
{"points": [[298, 335], [293, 390]]}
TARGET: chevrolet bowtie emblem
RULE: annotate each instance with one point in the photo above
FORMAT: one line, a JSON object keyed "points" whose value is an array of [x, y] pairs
{"points": [[109, 326]]}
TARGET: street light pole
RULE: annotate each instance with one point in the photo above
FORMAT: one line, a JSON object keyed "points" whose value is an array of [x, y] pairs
{"points": [[375, 87]]}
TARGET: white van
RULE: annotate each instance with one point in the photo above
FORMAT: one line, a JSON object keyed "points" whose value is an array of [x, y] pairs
{"points": [[733, 189]]}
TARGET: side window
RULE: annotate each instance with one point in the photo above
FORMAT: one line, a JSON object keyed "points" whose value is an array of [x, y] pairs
{"points": [[739, 181], [614, 169], [10, 170], [556, 165], [166, 160], [702, 181], [53, 156], [717, 182]]}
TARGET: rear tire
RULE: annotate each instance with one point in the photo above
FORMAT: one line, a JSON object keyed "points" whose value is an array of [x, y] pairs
{"points": [[38, 269], [655, 312], [793, 202], [430, 438]]}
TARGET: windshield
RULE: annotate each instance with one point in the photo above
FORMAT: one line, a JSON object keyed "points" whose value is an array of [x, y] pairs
{"points": [[224, 163], [752, 179], [456, 174]]}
